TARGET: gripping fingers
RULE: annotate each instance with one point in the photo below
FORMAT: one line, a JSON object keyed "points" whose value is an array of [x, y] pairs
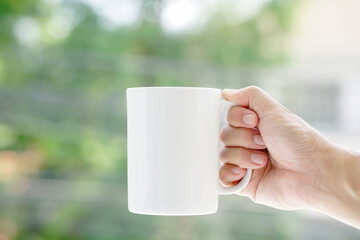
{"points": [[242, 137], [245, 158], [230, 173], [242, 117]]}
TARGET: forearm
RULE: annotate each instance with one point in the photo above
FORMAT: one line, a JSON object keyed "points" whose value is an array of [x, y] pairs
{"points": [[339, 186]]}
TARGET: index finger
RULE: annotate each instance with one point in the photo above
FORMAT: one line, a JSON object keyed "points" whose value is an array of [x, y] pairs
{"points": [[253, 98], [242, 117]]}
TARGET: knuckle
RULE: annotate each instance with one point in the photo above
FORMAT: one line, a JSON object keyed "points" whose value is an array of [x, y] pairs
{"points": [[224, 154], [236, 110], [254, 89], [223, 133], [234, 116], [222, 174]]}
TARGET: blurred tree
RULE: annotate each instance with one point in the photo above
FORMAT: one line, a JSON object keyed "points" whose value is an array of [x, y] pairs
{"points": [[63, 74]]}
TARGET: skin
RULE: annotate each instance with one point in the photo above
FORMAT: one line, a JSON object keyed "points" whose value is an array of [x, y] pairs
{"points": [[294, 166]]}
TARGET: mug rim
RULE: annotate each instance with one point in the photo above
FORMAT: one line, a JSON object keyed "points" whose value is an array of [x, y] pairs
{"points": [[180, 88]]}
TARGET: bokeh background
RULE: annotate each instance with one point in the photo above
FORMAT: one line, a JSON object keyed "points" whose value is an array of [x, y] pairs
{"points": [[64, 68]]}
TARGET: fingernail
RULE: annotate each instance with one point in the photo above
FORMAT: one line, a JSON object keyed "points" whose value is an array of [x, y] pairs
{"points": [[229, 90], [258, 140], [258, 158], [249, 119], [236, 170]]}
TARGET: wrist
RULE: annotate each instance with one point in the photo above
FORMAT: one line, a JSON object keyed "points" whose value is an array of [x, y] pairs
{"points": [[338, 185]]}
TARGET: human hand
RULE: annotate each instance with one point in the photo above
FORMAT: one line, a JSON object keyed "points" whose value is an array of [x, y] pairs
{"points": [[294, 166]]}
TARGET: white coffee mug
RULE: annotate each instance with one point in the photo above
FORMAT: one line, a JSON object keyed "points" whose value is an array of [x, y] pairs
{"points": [[173, 151]]}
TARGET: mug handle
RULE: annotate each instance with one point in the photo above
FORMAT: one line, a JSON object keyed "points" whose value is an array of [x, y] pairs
{"points": [[246, 179]]}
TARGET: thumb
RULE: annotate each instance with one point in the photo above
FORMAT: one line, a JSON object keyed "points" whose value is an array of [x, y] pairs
{"points": [[253, 98]]}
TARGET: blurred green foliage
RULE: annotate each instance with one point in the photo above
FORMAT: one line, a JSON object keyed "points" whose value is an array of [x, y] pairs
{"points": [[65, 97]]}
